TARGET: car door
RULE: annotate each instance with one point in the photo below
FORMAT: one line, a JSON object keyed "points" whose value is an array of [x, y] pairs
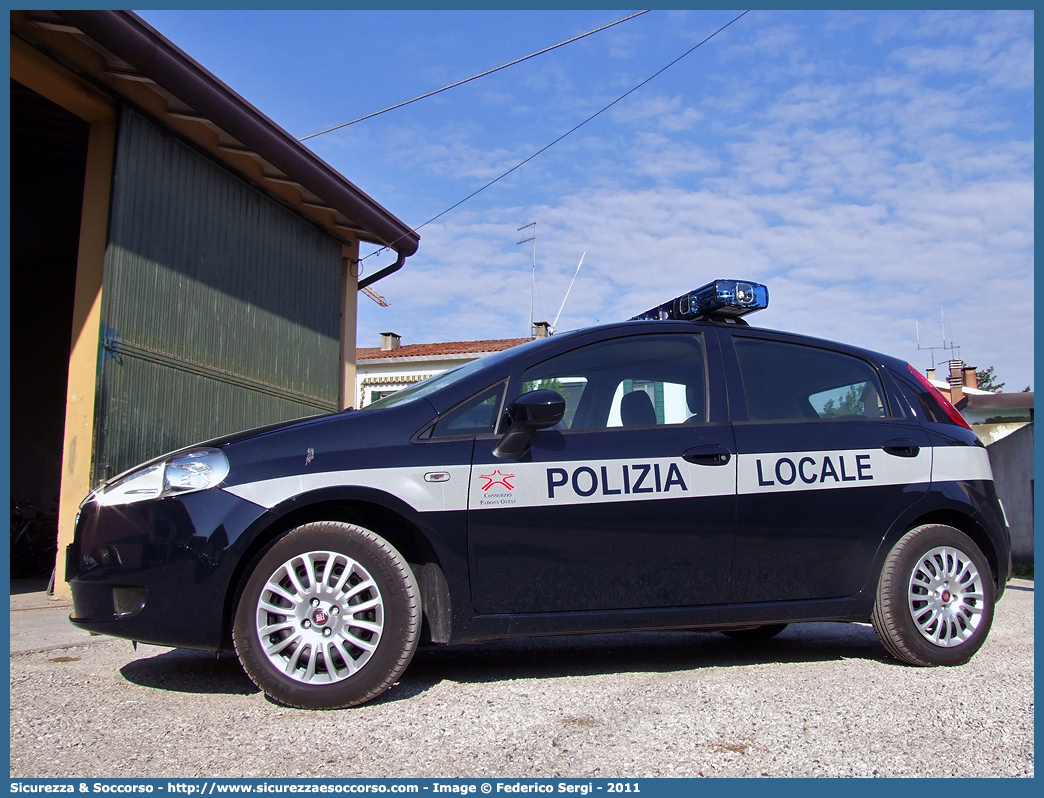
{"points": [[629, 502], [826, 461]]}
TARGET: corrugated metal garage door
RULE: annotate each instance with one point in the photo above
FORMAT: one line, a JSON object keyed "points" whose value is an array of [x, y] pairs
{"points": [[221, 307]]}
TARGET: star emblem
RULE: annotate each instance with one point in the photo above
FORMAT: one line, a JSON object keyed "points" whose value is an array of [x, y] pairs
{"points": [[497, 478]]}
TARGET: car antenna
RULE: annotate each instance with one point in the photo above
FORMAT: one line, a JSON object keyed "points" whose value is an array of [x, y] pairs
{"points": [[570, 288]]}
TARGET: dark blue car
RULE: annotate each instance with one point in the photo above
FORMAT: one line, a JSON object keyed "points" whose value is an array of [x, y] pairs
{"points": [[682, 471]]}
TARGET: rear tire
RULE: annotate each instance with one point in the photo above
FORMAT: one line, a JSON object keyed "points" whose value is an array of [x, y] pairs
{"points": [[935, 598], [763, 632], [329, 617]]}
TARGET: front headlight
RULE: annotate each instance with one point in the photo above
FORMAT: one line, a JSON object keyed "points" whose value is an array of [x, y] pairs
{"points": [[181, 473]]}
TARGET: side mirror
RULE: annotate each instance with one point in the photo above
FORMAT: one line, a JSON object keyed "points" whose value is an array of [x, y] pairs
{"points": [[530, 412]]}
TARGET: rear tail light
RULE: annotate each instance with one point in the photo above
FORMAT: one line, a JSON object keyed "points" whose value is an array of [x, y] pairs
{"points": [[944, 403]]}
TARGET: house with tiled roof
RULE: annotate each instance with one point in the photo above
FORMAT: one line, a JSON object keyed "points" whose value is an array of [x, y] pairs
{"points": [[390, 367]]}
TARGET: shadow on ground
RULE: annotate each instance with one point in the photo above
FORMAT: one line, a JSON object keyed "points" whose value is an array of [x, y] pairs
{"points": [[22, 586], [630, 652], [184, 671], [542, 658]]}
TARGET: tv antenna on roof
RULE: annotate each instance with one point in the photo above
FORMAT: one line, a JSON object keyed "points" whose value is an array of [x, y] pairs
{"points": [[946, 346], [375, 296], [532, 293], [532, 290]]}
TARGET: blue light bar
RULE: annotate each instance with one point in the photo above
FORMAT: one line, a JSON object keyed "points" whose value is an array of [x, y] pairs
{"points": [[723, 298]]}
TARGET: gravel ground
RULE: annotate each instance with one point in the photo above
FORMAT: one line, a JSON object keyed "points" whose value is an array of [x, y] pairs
{"points": [[819, 700]]}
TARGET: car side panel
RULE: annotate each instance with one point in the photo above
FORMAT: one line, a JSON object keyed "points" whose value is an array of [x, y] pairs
{"points": [[613, 519], [606, 518], [816, 496]]}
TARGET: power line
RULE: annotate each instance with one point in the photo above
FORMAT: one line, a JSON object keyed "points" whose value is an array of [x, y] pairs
{"points": [[572, 130], [474, 77]]}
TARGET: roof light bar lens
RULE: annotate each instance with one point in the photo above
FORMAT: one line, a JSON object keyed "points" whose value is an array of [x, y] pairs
{"points": [[727, 298]]}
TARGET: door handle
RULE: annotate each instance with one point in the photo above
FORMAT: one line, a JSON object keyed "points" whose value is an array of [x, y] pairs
{"points": [[713, 454], [902, 447]]}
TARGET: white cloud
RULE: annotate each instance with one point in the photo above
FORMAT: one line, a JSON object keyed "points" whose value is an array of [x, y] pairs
{"points": [[865, 198], [624, 44], [993, 47], [658, 157], [659, 113]]}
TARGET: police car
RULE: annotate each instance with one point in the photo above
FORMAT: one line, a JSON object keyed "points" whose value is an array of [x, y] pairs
{"points": [[681, 470]]}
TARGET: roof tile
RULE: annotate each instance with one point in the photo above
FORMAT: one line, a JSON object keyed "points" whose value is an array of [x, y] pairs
{"points": [[448, 348]]}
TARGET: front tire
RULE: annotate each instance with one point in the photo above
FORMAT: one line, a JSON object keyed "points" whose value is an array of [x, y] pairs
{"points": [[328, 617], [935, 598]]}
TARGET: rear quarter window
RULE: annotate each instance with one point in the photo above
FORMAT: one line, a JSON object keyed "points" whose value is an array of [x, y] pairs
{"points": [[921, 401]]}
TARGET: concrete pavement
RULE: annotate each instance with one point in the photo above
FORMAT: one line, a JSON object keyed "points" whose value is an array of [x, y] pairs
{"points": [[40, 622], [821, 699]]}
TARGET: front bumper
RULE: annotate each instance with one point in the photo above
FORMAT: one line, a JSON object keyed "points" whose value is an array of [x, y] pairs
{"points": [[159, 571]]}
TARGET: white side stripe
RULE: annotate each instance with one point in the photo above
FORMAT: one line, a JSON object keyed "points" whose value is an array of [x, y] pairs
{"points": [[596, 482], [406, 483], [961, 463], [507, 484], [828, 470]]}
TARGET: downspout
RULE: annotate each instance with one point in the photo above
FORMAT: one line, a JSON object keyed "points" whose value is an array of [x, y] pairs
{"points": [[383, 272]]}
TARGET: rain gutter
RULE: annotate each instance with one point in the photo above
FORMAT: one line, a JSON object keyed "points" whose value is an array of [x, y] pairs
{"points": [[383, 272]]}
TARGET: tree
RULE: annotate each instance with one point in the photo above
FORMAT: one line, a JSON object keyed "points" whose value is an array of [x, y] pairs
{"points": [[851, 404], [987, 380]]}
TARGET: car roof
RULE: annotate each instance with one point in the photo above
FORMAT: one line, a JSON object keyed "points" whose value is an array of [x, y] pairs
{"points": [[666, 324], [445, 397]]}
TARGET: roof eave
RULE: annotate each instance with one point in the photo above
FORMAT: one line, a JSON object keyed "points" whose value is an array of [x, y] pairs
{"points": [[130, 38]]}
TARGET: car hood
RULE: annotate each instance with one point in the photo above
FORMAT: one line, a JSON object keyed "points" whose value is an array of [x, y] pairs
{"points": [[338, 441]]}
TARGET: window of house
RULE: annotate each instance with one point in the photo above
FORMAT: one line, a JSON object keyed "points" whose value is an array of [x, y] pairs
{"points": [[378, 394]]}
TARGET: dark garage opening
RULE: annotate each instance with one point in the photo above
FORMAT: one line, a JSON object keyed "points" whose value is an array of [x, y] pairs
{"points": [[48, 161]]}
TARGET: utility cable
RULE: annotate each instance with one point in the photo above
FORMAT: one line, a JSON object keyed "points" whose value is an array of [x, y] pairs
{"points": [[572, 130], [474, 77]]}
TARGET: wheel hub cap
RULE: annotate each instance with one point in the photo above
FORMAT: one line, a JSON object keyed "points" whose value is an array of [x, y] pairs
{"points": [[320, 617], [946, 596]]}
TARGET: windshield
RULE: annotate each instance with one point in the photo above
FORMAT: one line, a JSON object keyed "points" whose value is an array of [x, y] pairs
{"points": [[427, 387]]}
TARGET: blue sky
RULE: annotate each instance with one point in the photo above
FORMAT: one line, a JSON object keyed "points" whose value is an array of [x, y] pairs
{"points": [[874, 169]]}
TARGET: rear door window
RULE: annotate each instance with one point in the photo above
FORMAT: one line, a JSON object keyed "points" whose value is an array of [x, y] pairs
{"points": [[784, 381]]}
